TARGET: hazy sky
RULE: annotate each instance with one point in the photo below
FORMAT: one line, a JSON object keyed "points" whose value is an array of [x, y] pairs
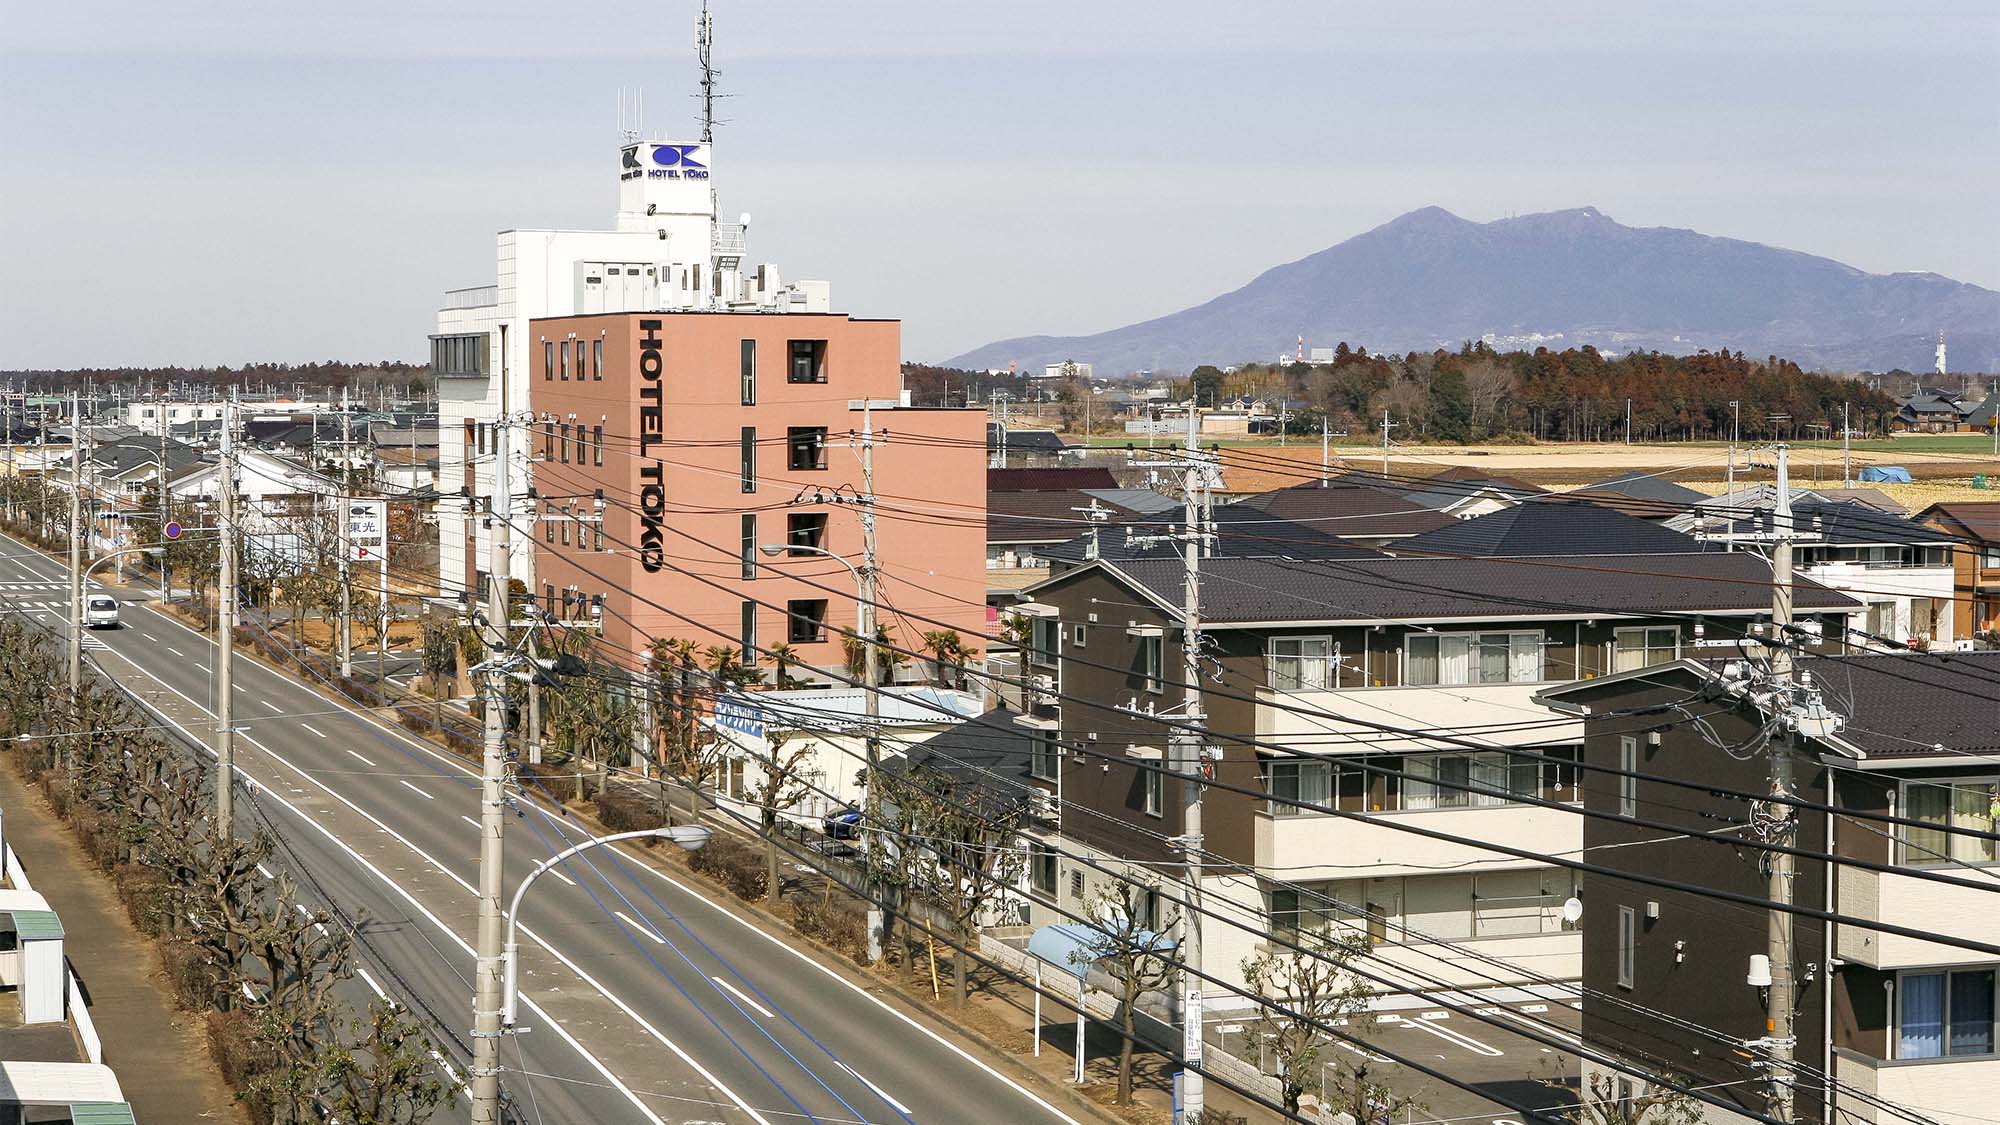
{"points": [[240, 180]]}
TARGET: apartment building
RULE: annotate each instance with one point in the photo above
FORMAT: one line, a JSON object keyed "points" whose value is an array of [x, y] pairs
{"points": [[1882, 1020], [670, 448], [1394, 691]]}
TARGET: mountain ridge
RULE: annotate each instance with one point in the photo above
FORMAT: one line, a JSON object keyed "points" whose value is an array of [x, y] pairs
{"points": [[1430, 278]]}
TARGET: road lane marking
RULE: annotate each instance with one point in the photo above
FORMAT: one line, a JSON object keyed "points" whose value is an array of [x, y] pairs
{"points": [[311, 729], [1450, 1036], [563, 877], [647, 930], [1545, 1028], [468, 820], [761, 1009], [370, 982], [417, 791], [360, 759], [879, 1091], [177, 652], [265, 872], [272, 706]]}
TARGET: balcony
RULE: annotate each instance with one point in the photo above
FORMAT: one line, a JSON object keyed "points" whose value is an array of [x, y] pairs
{"points": [[1348, 718], [1901, 900], [1375, 846], [729, 240], [1951, 1091], [477, 297]]}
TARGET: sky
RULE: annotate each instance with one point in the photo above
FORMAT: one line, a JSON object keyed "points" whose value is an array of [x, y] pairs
{"points": [[243, 181]]}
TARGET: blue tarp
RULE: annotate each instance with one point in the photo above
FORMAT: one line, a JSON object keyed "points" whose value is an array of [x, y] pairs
{"points": [[1074, 945], [1892, 474]]}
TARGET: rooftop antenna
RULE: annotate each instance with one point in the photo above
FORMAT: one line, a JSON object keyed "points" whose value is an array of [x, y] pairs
{"points": [[704, 49]]}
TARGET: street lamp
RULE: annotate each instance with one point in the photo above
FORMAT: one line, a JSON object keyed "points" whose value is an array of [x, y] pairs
{"points": [[689, 836]]}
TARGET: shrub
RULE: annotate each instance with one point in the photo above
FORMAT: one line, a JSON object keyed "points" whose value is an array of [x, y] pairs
{"points": [[623, 810], [835, 925], [232, 1040], [733, 863], [193, 981], [146, 898]]}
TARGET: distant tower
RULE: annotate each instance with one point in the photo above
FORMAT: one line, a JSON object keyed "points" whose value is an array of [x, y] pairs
{"points": [[704, 48], [1302, 348], [1940, 354]]}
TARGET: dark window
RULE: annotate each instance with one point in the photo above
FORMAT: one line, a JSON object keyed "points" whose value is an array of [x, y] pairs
{"points": [[566, 521], [749, 634], [808, 620], [597, 445], [749, 458], [1152, 666], [562, 358], [808, 362], [749, 372], [548, 523], [1156, 789], [548, 441], [1042, 869], [562, 443], [805, 447], [1628, 946], [1044, 756], [597, 360], [806, 529], [749, 545], [548, 359]]}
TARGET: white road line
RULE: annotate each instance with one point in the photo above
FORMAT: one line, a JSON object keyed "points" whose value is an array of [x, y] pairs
{"points": [[311, 729], [641, 864], [563, 877], [1544, 1028], [370, 982], [272, 706], [761, 1009], [417, 791], [879, 1091], [265, 872], [642, 928], [468, 820], [359, 758], [177, 652], [1450, 1036], [567, 1037]]}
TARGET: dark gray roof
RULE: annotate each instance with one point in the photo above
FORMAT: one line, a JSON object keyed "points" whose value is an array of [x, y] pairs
{"points": [[1647, 486], [1241, 531], [1828, 523], [987, 758], [1348, 507], [1553, 528], [126, 454], [1023, 441], [1909, 705], [1251, 591]]}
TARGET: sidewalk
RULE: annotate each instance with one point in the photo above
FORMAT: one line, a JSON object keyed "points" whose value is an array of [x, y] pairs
{"points": [[157, 1050]]}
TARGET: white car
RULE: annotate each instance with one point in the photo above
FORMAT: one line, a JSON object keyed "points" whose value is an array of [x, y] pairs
{"points": [[100, 611]]}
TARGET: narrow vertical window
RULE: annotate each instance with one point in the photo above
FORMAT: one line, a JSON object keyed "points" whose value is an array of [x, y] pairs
{"points": [[1628, 784], [1628, 946], [749, 546], [750, 634], [597, 445], [749, 458], [562, 359], [597, 360], [749, 372], [548, 360]]}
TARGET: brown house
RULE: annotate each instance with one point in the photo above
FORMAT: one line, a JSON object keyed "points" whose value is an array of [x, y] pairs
{"points": [[1975, 559]]}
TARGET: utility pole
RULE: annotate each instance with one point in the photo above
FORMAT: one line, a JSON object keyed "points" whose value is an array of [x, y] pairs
{"points": [[486, 1014], [1325, 450], [225, 733], [1190, 761], [345, 634], [1628, 421], [166, 584], [13, 478], [1779, 999], [1386, 425], [75, 556], [1846, 476], [870, 656]]}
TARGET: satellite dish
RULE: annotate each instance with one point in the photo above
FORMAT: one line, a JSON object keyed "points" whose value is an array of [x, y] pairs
{"points": [[1572, 910], [743, 220]]}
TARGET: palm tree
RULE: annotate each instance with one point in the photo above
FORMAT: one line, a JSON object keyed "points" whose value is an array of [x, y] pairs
{"points": [[786, 657], [948, 654]]}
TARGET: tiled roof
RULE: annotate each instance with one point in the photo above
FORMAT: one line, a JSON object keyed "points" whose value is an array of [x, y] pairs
{"points": [[1241, 531], [1831, 523], [1043, 515], [1977, 518], [1038, 441], [1347, 508], [1248, 591], [1017, 480], [1646, 486], [1551, 528], [1910, 705]]}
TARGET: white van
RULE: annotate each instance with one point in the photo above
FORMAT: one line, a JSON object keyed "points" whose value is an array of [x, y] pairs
{"points": [[100, 611]]}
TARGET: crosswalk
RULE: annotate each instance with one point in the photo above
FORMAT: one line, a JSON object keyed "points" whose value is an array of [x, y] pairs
{"points": [[49, 601]]}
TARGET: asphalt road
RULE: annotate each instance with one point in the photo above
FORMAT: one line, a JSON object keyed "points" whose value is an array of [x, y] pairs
{"points": [[647, 1002]]}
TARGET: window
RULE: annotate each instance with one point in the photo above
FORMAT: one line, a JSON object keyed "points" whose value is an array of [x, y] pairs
{"points": [[1044, 757], [1882, 619], [1152, 662], [562, 442], [548, 359], [808, 362], [1939, 1014], [597, 361], [548, 523], [1448, 659], [1310, 782], [808, 620], [1044, 640], [1628, 946], [749, 372], [1513, 903], [1154, 781], [1560, 778], [747, 630], [1077, 636], [749, 458], [1076, 883], [1954, 806], [1633, 649], [1628, 782], [1041, 869], [1990, 556], [548, 440], [1300, 663], [597, 445], [1434, 781], [562, 358], [749, 546], [805, 448], [806, 529], [566, 521]]}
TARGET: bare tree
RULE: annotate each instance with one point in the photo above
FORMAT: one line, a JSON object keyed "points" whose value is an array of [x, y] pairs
{"points": [[780, 788], [973, 842], [387, 1076], [1488, 383], [1315, 989], [1139, 956], [1611, 1099]]}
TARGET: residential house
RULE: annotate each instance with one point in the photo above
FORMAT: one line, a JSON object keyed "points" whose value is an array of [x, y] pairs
{"points": [[1381, 688], [1886, 1025], [1350, 507], [1931, 412], [1463, 492], [1556, 528], [1008, 447], [1646, 495], [1975, 562]]}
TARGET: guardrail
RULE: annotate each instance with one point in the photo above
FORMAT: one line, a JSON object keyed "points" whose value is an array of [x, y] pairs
{"points": [[79, 1014]]}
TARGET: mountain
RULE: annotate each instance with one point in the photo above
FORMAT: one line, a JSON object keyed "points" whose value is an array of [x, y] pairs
{"points": [[1561, 279]]}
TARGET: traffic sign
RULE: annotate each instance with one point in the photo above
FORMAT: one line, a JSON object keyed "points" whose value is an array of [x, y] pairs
{"points": [[172, 530]]}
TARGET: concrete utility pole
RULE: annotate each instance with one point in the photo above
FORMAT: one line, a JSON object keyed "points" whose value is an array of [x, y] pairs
{"points": [[870, 655], [1386, 426], [1190, 761], [1779, 997], [1628, 421], [345, 638], [489, 980], [1846, 476], [13, 478], [166, 587], [1325, 451], [225, 732], [76, 454]]}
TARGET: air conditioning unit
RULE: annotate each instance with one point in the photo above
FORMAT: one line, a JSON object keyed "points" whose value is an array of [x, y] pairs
{"points": [[1042, 805]]}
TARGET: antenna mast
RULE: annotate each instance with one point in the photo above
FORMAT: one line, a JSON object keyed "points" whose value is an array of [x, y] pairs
{"points": [[704, 47]]}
